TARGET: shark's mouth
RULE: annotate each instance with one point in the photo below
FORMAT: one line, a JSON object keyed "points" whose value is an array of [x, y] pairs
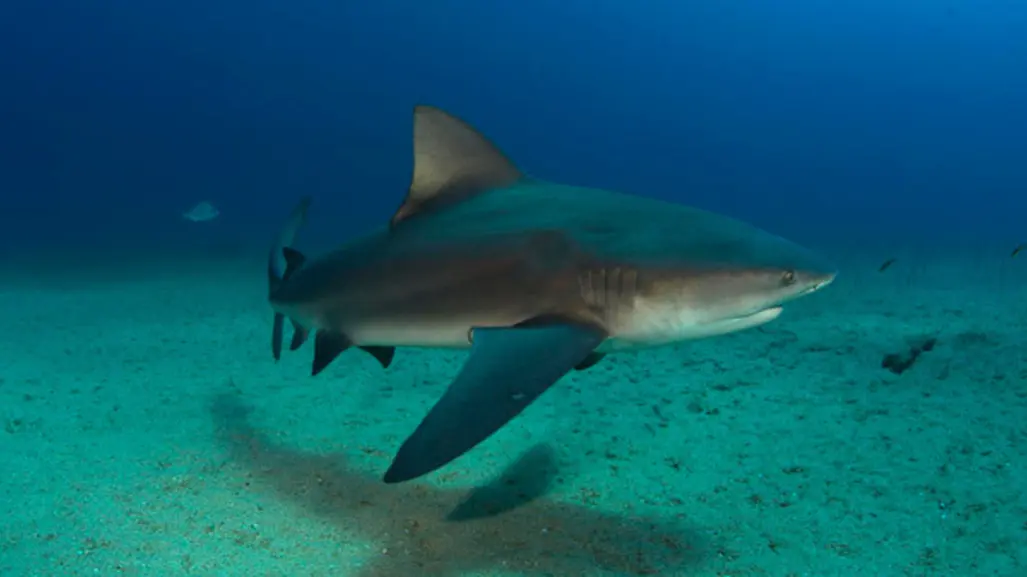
{"points": [[757, 318], [815, 288]]}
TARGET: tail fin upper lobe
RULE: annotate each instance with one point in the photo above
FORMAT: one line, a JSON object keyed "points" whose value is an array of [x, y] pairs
{"points": [[283, 261]]}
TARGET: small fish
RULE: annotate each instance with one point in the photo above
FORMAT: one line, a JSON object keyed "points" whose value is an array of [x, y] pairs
{"points": [[1017, 250], [886, 265], [202, 212]]}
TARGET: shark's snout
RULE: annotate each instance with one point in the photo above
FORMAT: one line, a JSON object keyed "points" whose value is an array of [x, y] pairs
{"points": [[822, 281], [814, 281], [805, 271]]}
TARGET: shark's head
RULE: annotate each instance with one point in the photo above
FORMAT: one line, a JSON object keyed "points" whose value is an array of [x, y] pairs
{"points": [[730, 295], [729, 291]]}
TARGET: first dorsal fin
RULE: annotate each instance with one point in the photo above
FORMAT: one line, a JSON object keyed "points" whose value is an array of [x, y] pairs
{"points": [[452, 160]]}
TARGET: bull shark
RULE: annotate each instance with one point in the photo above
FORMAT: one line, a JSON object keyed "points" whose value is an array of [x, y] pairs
{"points": [[536, 278]]}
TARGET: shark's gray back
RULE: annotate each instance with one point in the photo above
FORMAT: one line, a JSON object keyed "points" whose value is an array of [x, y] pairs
{"points": [[603, 226], [606, 225]]}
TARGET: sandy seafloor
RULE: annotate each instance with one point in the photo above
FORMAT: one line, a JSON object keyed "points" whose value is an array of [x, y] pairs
{"points": [[147, 431]]}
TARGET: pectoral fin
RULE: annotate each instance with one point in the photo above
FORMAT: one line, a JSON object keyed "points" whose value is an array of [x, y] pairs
{"points": [[589, 362], [508, 369]]}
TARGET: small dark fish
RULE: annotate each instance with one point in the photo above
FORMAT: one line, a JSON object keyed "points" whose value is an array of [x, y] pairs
{"points": [[1017, 250], [886, 264]]}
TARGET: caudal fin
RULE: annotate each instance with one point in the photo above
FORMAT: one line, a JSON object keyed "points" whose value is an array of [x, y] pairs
{"points": [[277, 260], [282, 261]]}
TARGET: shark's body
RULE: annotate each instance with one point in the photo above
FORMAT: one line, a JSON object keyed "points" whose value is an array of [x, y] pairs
{"points": [[538, 278]]}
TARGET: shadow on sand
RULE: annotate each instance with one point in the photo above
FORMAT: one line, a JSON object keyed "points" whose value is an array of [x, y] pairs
{"points": [[508, 525]]}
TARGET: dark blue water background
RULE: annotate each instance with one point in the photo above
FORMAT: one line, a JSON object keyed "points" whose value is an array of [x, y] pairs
{"points": [[854, 123]]}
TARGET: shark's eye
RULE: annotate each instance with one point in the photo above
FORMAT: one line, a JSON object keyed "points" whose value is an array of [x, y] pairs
{"points": [[788, 278]]}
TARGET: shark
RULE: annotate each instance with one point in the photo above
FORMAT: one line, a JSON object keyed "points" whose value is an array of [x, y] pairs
{"points": [[536, 278]]}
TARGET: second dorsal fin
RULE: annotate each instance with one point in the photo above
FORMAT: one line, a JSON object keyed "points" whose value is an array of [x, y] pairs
{"points": [[452, 161]]}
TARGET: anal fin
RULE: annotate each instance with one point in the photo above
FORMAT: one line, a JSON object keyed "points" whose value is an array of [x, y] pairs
{"points": [[327, 346]]}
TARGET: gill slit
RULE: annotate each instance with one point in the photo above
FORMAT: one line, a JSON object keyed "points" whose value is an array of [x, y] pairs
{"points": [[612, 291]]}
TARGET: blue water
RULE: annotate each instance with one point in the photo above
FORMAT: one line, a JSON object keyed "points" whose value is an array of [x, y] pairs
{"points": [[867, 130]]}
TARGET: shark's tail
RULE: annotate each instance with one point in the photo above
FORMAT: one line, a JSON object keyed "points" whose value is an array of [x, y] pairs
{"points": [[282, 261]]}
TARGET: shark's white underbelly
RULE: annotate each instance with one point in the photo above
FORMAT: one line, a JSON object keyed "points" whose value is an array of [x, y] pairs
{"points": [[643, 331], [456, 334]]}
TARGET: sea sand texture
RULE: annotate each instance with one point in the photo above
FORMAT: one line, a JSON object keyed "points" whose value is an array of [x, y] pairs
{"points": [[147, 431]]}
